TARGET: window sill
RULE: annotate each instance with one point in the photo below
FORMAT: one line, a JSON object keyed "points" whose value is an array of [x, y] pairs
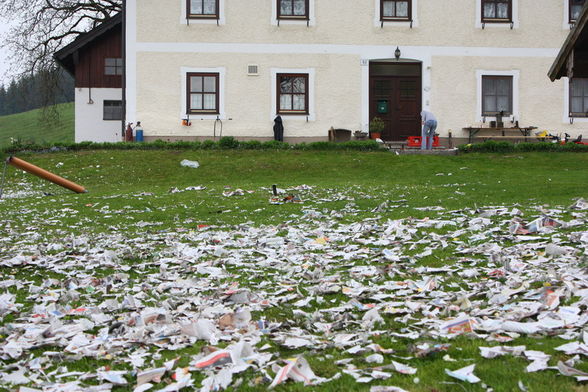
{"points": [[205, 17], [296, 117], [395, 20], [505, 24], [299, 18]]}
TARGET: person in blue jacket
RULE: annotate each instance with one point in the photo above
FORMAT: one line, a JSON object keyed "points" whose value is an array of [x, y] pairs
{"points": [[429, 122]]}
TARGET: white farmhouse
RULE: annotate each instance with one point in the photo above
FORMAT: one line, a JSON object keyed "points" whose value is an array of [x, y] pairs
{"points": [[196, 67]]}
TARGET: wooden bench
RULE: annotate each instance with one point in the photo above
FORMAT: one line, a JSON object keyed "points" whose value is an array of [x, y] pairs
{"points": [[525, 132]]}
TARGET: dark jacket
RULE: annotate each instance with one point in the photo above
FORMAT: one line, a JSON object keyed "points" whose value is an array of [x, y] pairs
{"points": [[278, 129]]}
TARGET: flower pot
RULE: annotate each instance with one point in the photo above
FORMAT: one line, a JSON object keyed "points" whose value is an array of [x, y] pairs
{"points": [[375, 135]]}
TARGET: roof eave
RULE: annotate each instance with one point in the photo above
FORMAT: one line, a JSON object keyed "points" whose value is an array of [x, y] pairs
{"points": [[557, 69]]}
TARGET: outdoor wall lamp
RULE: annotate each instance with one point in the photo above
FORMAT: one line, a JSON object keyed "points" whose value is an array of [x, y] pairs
{"points": [[397, 53]]}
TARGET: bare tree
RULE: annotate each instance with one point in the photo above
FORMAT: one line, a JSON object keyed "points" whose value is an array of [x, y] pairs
{"points": [[41, 27]]}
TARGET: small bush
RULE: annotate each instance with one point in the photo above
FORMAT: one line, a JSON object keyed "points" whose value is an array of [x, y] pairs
{"points": [[250, 145], [274, 145], [504, 147], [228, 142], [209, 145]]}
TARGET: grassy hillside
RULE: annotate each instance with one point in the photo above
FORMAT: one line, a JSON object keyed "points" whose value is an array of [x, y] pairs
{"points": [[30, 126]]}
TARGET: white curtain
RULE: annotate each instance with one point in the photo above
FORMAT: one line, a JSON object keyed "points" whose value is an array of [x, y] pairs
{"points": [[298, 102], [402, 9], [196, 84], [196, 102], [285, 102], [209, 84], [299, 7], [209, 101]]}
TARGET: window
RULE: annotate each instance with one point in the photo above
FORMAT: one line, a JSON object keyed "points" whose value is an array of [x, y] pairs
{"points": [[202, 9], [579, 97], [496, 11], [292, 93], [395, 10], [203, 93], [112, 110], [497, 95], [293, 9], [575, 9], [113, 66]]}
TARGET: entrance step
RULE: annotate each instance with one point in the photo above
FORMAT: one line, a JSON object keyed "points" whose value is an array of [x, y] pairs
{"points": [[439, 151]]}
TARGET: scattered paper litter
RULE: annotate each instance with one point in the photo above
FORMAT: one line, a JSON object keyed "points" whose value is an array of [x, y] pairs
{"points": [[377, 388], [188, 163], [296, 369], [464, 374], [336, 275]]}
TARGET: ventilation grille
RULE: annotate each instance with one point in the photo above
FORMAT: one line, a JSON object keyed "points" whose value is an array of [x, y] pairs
{"points": [[252, 70]]}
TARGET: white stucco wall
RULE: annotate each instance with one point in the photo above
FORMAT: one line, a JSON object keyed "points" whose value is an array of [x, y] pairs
{"points": [[440, 23], [89, 122], [336, 47], [247, 100], [456, 95]]}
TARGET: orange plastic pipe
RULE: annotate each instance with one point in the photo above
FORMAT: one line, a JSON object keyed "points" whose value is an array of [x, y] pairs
{"points": [[44, 174]]}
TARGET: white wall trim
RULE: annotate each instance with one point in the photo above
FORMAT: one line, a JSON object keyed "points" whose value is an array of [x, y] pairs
{"points": [[311, 94], [566, 105], [131, 61], [413, 11], [311, 15], [515, 91], [221, 99], [515, 17], [221, 15], [366, 51]]}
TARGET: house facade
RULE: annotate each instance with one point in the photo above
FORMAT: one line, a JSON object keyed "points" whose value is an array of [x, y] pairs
{"points": [[95, 60], [193, 66]]}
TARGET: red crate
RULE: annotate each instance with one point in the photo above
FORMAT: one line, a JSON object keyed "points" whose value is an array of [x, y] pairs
{"points": [[415, 141]]}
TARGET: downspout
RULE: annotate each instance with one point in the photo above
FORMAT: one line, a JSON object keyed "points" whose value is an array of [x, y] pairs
{"points": [[90, 102], [124, 70]]}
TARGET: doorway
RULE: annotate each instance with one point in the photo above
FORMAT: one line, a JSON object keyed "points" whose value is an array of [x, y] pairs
{"points": [[395, 97]]}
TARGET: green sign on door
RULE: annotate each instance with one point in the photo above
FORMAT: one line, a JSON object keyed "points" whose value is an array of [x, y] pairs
{"points": [[382, 106]]}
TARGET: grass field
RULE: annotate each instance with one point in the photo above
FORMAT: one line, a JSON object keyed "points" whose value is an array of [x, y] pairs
{"points": [[30, 127], [139, 231]]}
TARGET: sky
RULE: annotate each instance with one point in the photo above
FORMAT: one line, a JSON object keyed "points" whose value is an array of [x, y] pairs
{"points": [[4, 66]]}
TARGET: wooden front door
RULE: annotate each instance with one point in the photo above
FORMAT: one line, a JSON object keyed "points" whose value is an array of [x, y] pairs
{"points": [[395, 97]]}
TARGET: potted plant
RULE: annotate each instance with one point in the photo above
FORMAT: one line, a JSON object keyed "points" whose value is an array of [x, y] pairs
{"points": [[376, 127]]}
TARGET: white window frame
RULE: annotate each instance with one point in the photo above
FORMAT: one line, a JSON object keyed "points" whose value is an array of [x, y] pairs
{"points": [[184, 71], [515, 17], [566, 105], [311, 16], [221, 15], [392, 23], [515, 116], [311, 116]]}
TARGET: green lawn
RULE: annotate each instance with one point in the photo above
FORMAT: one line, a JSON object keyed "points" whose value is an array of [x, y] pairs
{"points": [[31, 127], [132, 210]]}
